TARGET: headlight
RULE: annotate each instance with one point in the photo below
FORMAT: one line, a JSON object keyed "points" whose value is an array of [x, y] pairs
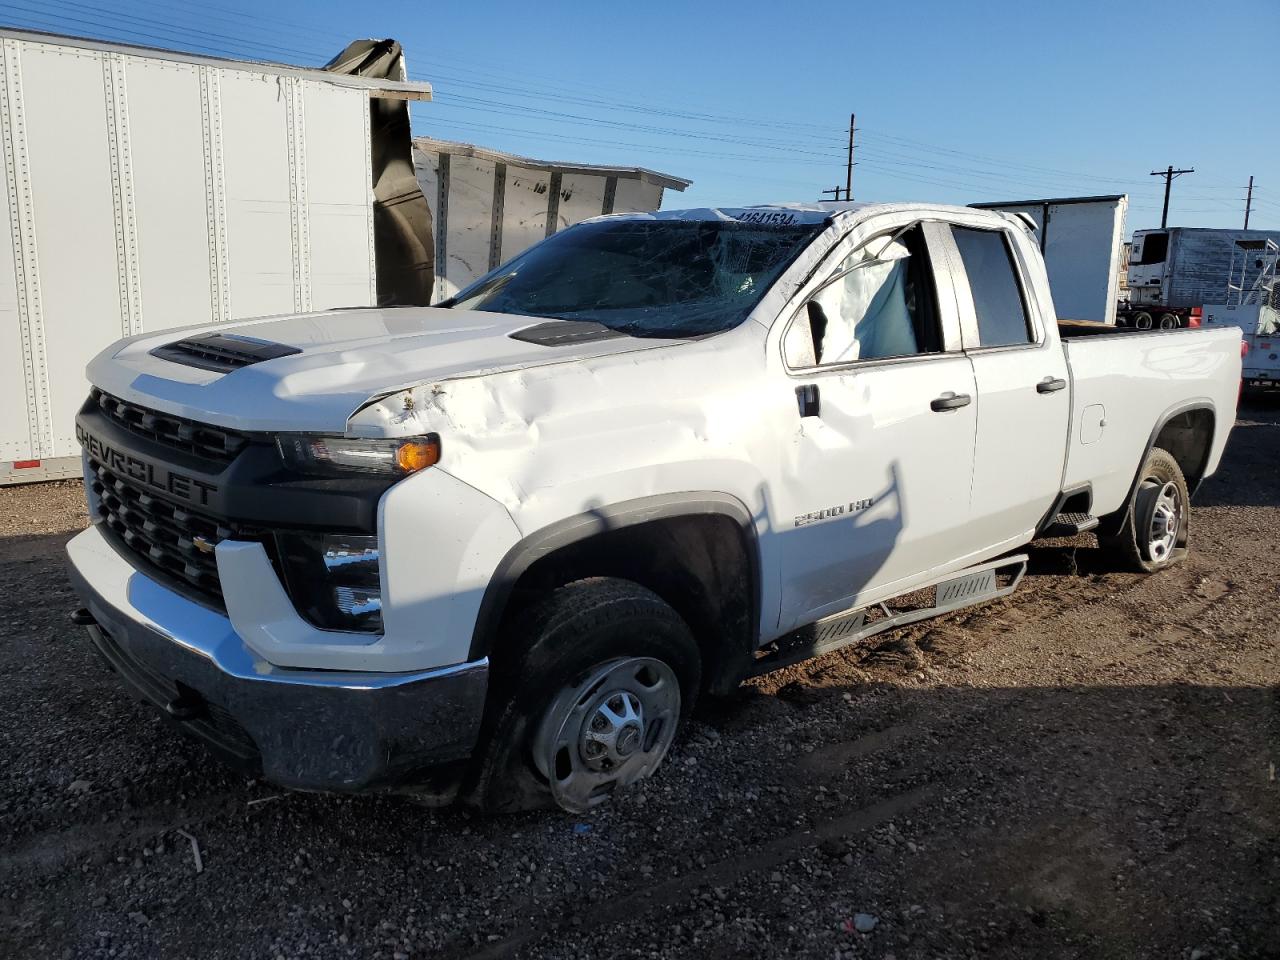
{"points": [[333, 579], [313, 454]]}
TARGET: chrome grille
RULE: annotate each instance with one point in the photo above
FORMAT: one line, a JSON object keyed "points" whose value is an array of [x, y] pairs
{"points": [[201, 439]]}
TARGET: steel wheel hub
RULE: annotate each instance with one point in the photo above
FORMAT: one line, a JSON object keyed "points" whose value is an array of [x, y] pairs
{"points": [[1165, 504], [613, 729], [607, 730]]}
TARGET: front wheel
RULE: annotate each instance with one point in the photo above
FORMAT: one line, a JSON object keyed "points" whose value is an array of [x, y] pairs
{"points": [[1156, 523], [587, 699]]}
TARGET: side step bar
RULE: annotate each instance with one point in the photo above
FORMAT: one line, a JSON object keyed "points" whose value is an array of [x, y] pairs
{"points": [[956, 591], [1069, 524]]}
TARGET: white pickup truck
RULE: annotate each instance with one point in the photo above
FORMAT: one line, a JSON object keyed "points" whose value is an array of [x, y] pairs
{"points": [[498, 547]]}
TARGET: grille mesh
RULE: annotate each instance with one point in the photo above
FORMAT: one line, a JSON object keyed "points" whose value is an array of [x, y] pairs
{"points": [[201, 439], [163, 534]]}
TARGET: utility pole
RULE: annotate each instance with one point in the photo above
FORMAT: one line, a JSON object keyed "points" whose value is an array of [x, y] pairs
{"points": [[1248, 203], [835, 190], [848, 170], [1168, 175]]}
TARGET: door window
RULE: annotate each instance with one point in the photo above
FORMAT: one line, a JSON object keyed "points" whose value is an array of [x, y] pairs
{"points": [[881, 302], [993, 280]]}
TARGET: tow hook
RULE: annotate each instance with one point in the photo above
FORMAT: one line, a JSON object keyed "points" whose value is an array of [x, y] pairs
{"points": [[187, 705], [82, 617]]}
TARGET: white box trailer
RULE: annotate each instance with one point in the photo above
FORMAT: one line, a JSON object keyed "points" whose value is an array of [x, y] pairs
{"points": [[150, 189], [487, 206], [1082, 240]]}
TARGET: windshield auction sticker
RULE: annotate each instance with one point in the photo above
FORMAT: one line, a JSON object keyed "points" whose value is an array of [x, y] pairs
{"points": [[772, 218]]}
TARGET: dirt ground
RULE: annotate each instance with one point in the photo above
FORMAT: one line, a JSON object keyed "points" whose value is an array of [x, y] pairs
{"points": [[1085, 769]]}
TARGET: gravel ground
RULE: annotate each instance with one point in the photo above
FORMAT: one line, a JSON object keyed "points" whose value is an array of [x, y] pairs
{"points": [[1085, 769]]}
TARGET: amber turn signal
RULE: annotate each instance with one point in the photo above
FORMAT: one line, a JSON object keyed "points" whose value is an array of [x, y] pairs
{"points": [[414, 455]]}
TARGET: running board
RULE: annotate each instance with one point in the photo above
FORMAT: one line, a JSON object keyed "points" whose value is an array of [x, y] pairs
{"points": [[1070, 525], [956, 591]]}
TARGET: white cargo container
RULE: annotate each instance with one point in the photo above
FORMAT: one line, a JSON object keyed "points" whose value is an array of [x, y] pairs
{"points": [[1082, 241], [488, 206], [149, 189]]}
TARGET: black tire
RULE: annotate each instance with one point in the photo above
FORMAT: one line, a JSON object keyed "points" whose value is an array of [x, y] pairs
{"points": [[1142, 320], [1169, 321], [571, 632], [1132, 546]]}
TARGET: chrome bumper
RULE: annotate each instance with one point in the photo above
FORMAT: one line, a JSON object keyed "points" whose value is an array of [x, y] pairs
{"points": [[305, 729]]}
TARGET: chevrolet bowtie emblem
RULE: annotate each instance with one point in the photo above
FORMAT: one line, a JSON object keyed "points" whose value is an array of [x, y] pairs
{"points": [[203, 544]]}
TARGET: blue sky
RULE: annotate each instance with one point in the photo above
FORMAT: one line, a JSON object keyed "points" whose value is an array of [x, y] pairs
{"points": [[955, 102]]}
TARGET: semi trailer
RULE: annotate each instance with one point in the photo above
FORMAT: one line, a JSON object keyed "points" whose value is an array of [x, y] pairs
{"points": [[1174, 272]]}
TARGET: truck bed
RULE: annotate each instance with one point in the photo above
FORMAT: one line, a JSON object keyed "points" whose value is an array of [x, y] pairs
{"points": [[1126, 384]]}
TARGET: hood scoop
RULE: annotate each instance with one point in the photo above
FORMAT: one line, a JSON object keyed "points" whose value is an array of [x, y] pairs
{"points": [[222, 352], [563, 333]]}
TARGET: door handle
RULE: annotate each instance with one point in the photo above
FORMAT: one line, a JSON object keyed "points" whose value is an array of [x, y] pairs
{"points": [[807, 399], [1051, 385], [950, 401]]}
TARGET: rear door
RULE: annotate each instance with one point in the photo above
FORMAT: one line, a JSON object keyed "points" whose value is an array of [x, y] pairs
{"points": [[1023, 383]]}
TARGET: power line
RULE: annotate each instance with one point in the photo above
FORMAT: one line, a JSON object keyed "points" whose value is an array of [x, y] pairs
{"points": [[802, 144]]}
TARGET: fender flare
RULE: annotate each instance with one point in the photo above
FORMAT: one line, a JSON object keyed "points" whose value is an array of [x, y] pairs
{"points": [[1186, 406], [618, 516]]}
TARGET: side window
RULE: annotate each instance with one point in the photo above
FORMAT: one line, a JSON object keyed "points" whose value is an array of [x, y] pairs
{"points": [[1155, 248], [993, 281], [881, 302]]}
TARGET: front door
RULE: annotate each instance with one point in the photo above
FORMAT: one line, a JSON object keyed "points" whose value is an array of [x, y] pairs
{"points": [[875, 484]]}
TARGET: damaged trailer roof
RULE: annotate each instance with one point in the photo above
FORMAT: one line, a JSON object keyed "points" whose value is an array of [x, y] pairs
{"points": [[377, 87]]}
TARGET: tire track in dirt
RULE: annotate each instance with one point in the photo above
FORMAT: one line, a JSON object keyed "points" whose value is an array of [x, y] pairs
{"points": [[634, 904], [52, 849]]}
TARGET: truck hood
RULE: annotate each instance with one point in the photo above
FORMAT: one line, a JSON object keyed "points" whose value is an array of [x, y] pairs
{"points": [[337, 361]]}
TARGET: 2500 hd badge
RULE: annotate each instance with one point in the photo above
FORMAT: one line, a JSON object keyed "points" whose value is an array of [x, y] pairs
{"points": [[830, 513], [134, 467]]}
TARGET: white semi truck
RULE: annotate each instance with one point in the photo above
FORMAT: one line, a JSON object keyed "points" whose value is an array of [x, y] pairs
{"points": [[498, 547]]}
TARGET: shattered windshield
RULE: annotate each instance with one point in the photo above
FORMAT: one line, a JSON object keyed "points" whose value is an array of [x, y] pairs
{"points": [[646, 278]]}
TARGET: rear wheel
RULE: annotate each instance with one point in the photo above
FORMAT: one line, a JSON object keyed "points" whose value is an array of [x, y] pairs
{"points": [[1142, 320], [588, 699], [1169, 321], [1156, 523]]}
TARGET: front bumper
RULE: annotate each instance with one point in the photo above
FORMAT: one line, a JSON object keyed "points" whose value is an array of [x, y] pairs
{"points": [[305, 729]]}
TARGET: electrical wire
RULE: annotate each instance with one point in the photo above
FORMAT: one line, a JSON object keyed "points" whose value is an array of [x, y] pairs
{"points": [[888, 155]]}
